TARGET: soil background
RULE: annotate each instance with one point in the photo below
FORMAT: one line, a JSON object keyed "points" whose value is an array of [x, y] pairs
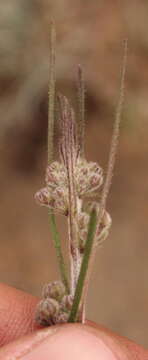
{"points": [[90, 33]]}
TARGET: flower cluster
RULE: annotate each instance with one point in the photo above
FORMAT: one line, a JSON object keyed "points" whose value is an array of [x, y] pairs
{"points": [[55, 194], [88, 179], [55, 306]]}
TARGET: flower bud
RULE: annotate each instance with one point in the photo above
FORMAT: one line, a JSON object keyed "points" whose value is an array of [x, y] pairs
{"points": [[43, 198], [55, 174], [55, 290], [46, 310], [89, 177], [60, 195], [104, 227], [83, 220]]}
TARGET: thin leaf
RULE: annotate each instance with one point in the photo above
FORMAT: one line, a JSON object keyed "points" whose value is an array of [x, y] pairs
{"points": [[84, 267]]}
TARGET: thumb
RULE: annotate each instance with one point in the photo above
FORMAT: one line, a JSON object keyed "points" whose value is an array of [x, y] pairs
{"points": [[71, 341]]}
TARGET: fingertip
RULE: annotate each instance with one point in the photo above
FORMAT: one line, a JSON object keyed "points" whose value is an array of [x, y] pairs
{"points": [[60, 343], [16, 313], [70, 341], [88, 341]]}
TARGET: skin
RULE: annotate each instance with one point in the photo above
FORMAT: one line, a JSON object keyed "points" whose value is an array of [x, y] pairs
{"points": [[21, 338]]}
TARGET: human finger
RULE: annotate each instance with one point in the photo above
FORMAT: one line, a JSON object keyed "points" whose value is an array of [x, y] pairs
{"points": [[72, 341], [16, 313]]}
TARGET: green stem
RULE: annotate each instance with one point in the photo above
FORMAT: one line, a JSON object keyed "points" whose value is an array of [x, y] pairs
{"points": [[57, 245], [84, 267]]}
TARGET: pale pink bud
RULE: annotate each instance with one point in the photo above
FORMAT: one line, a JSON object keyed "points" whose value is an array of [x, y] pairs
{"points": [[89, 177], [55, 174], [43, 197], [46, 310], [104, 227], [55, 290], [60, 195]]}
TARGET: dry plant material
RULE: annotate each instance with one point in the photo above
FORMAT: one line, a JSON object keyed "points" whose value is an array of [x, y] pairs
{"points": [[70, 183]]}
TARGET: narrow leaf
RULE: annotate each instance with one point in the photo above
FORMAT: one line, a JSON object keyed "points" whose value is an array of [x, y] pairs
{"points": [[84, 267]]}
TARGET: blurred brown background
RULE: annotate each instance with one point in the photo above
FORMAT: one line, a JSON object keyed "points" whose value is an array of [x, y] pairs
{"points": [[89, 33]]}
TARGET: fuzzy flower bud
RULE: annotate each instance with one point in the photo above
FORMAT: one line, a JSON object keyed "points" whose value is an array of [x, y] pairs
{"points": [[55, 199], [104, 227], [42, 197], [60, 195], [46, 310], [89, 177], [55, 290], [55, 174], [83, 221]]}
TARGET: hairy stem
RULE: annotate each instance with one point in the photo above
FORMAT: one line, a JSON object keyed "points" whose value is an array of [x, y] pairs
{"points": [[57, 245], [51, 116], [114, 140], [74, 255], [72, 219], [51, 93], [81, 110]]}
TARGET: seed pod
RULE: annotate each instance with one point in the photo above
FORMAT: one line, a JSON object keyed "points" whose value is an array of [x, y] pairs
{"points": [[46, 310], [55, 290]]}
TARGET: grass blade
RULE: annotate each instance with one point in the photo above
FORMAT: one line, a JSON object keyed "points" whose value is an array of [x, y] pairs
{"points": [[84, 267]]}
